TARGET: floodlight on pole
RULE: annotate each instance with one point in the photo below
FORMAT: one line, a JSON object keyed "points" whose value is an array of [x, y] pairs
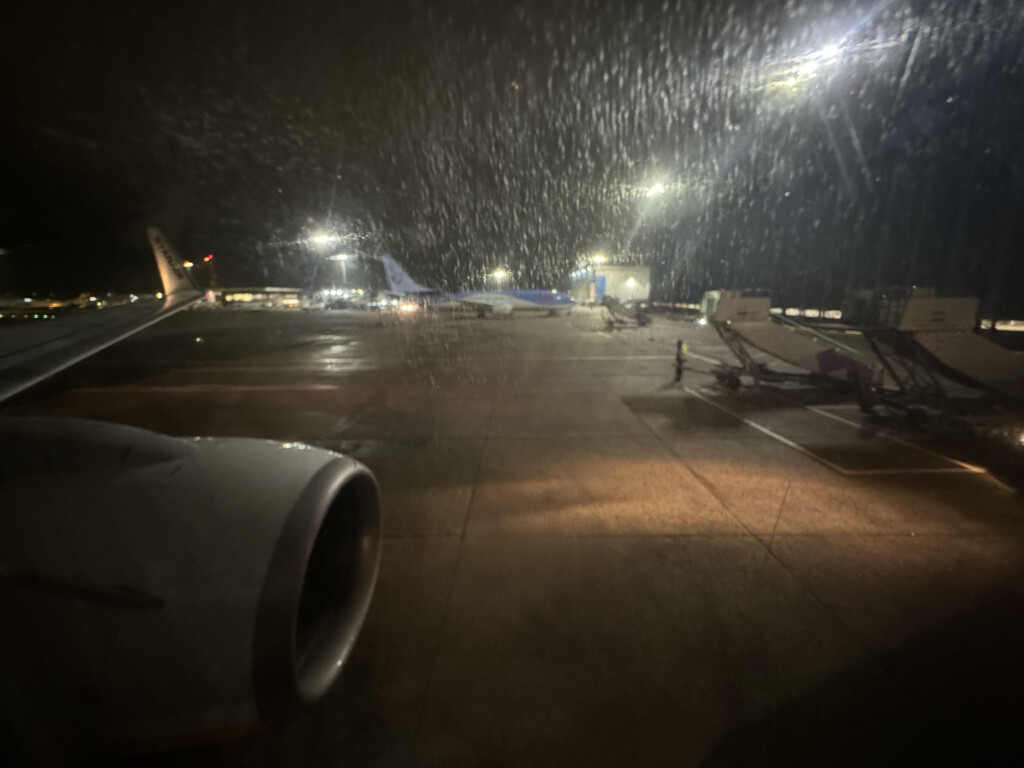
{"points": [[323, 238]]}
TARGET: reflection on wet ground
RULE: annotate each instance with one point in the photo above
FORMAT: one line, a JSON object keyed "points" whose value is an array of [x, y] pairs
{"points": [[586, 564]]}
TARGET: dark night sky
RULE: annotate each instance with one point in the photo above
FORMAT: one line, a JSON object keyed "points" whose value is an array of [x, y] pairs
{"points": [[466, 135]]}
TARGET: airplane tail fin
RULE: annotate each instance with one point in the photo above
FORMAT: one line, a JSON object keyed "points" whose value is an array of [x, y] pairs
{"points": [[399, 280], [176, 280]]}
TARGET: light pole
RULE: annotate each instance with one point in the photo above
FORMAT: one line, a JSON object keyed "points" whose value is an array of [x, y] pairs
{"points": [[342, 258], [597, 258]]}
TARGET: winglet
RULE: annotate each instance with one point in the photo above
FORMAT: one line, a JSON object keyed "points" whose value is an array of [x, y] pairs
{"points": [[399, 280], [175, 278]]}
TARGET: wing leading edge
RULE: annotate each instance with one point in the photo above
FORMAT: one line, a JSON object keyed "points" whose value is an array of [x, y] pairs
{"points": [[38, 352]]}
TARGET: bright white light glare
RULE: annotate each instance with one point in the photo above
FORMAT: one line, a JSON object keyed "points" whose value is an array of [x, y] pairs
{"points": [[499, 274], [338, 257], [833, 314], [812, 313], [830, 52], [808, 69], [188, 265], [657, 189], [600, 259], [792, 312], [554, 290], [631, 282], [797, 71], [323, 238], [407, 307]]}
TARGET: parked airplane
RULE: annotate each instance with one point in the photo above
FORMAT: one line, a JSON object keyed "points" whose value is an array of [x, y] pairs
{"points": [[495, 302], [161, 592]]}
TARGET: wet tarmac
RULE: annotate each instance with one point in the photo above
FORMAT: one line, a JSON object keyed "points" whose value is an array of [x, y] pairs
{"points": [[586, 564]]}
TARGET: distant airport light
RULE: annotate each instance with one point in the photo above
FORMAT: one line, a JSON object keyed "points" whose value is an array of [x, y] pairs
{"points": [[339, 257], [600, 258], [208, 257], [323, 238], [833, 314], [792, 312], [554, 290], [631, 282], [812, 313], [499, 274], [657, 189], [188, 265], [1014, 326]]}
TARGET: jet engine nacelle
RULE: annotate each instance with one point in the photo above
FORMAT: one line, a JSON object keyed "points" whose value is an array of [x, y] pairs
{"points": [[161, 592]]}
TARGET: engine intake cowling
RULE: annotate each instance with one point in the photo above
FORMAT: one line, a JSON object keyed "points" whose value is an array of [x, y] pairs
{"points": [[162, 592]]}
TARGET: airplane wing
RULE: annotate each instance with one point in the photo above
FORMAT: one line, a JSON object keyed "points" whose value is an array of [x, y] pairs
{"points": [[31, 353], [192, 589]]}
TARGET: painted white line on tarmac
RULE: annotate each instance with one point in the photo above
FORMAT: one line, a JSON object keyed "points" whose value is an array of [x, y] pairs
{"points": [[960, 469], [193, 388], [666, 358], [965, 467], [921, 471], [705, 358], [770, 433]]}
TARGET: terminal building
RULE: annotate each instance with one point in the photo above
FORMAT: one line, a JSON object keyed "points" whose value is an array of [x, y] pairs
{"points": [[258, 298], [625, 283]]}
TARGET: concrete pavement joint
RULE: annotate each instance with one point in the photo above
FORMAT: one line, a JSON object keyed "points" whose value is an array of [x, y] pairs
{"points": [[451, 587], [863, 650], [782, 505]]}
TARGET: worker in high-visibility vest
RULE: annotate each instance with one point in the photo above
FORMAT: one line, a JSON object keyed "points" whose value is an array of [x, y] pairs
{"points": [[682, 350]]}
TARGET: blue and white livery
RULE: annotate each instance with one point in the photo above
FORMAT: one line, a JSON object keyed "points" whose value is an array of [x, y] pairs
{"points": [[495, 302]]}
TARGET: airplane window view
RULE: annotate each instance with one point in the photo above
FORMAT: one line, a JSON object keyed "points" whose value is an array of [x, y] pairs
{"points": [[512, 383]]}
